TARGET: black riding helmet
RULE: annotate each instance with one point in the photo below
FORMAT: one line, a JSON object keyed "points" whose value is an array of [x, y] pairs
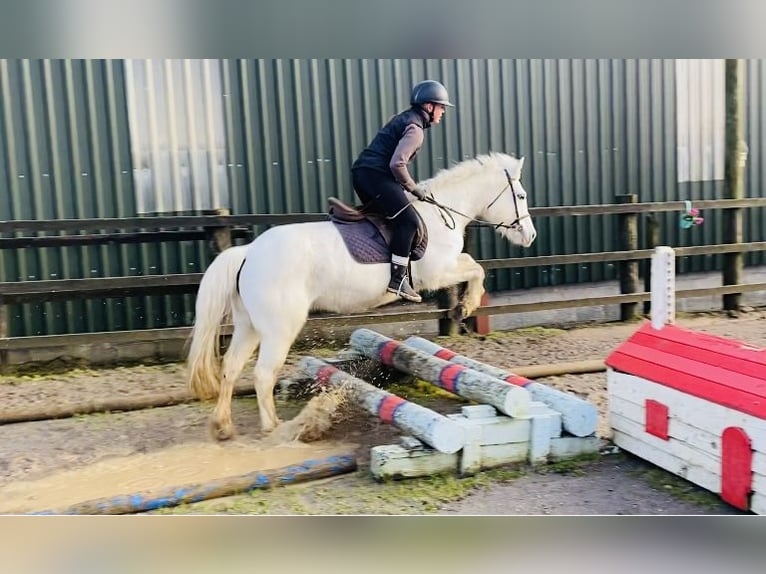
{"points": [[430, 91]]}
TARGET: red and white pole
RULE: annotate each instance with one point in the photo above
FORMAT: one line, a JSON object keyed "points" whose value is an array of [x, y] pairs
{"points": [[432, 428], [458, 379], [578, 417]]}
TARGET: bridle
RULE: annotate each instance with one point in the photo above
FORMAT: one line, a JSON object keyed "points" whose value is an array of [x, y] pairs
{"points": [[446, 211]]}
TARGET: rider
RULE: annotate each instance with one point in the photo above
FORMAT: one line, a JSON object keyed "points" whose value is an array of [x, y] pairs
{"points": [[380, 175]]}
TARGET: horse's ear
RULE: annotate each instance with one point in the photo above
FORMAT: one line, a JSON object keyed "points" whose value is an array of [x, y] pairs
{"points": [[521, 164]]}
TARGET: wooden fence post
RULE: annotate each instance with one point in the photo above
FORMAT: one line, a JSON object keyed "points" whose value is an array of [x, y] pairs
{"points": [[734, 166], [628, 270], [218, 237], [447, 299], [3, 330], [652, 241]]}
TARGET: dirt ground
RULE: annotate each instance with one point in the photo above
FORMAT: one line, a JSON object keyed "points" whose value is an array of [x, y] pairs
{"points": [[617, 483]]}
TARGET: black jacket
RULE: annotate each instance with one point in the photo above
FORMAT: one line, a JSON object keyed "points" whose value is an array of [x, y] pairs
{"points": [[394, 146]]}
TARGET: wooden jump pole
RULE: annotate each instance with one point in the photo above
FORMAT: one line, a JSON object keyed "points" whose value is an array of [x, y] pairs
{"points": [[432, 428], [578, 417], [458, 379], [173, 496]]}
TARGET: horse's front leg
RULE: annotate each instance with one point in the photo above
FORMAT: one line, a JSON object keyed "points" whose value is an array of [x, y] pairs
{"points": [[272, 356], [469, 272]]}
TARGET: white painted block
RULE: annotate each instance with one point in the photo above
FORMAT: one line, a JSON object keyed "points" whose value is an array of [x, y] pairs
{"points": [[497, 430], [538, 408], [411, 443], [470, 457], [478, 411], [556, 424], [540, 438], [556, 427], [393, 461], [571, 446], [493, 455]]}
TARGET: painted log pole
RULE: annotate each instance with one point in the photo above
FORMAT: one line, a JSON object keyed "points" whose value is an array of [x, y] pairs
{"points": [[470, 384], [578, 417], [432, 428], [173, 496]]}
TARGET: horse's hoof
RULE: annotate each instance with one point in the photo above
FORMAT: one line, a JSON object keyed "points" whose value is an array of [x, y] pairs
{"points": [[266, 429], [221, 431]]}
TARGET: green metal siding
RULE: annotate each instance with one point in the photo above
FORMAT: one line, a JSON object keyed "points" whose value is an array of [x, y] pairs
{"points": [[65, 153], [589, 129], [755, 169], [61, 157]]}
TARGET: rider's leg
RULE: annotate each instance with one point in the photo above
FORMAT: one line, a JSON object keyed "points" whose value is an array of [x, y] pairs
{"points": [[386, 194], [400, 280], [406, 225]]}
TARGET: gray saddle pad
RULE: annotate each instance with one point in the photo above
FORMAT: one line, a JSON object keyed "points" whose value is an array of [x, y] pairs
{"points": [[366, 243]]}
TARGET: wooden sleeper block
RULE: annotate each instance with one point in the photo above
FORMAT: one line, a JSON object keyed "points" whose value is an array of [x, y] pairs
{"points": [[490, 441]]}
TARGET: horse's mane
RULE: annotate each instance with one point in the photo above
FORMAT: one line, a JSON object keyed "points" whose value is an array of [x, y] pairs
{"points": [[471, 167]]}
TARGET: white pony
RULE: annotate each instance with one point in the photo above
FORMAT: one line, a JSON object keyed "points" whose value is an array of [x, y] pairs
{"points": [[290, 270]]}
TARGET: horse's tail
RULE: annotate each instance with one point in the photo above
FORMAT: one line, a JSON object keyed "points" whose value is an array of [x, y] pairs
{"points": [[214, 299]]}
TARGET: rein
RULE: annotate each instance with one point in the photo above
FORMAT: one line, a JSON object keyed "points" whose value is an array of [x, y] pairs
{"points": [[445, 210]]}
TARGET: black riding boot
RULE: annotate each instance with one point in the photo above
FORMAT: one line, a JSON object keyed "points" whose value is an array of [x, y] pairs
{"points": [[400, 284]]}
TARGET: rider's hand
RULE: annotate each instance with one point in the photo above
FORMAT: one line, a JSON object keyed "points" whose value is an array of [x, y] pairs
{"points": [[420, 192]]}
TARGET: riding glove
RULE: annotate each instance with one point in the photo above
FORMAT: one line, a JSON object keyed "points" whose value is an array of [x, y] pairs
{"points": [[419, 191]]}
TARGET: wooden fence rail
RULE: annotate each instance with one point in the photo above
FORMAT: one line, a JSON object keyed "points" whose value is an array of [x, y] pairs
{"points": [[220, 230], [61, 289]]}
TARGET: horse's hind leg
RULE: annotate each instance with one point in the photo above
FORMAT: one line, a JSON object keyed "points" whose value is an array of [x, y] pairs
{"points": [[243, 343], [271, 357]]}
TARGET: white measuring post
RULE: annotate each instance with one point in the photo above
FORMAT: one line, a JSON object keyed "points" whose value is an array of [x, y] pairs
{"points": [[458, 379], [432, 428], [578, 417], [663, 287]]}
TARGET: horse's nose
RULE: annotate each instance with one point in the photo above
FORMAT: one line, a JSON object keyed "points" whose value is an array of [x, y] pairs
{"points": [[532, 236]]}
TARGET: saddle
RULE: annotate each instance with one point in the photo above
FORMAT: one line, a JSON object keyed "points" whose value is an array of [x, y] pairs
{"points": [[368, 235]]}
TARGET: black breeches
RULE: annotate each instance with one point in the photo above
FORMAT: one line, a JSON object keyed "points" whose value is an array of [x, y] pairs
{"points": [[381, 193]]}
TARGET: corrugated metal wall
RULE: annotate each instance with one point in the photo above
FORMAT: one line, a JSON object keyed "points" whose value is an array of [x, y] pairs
{"points": [[117, 138], [755, 170], [590, 129], [65, 152]]}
